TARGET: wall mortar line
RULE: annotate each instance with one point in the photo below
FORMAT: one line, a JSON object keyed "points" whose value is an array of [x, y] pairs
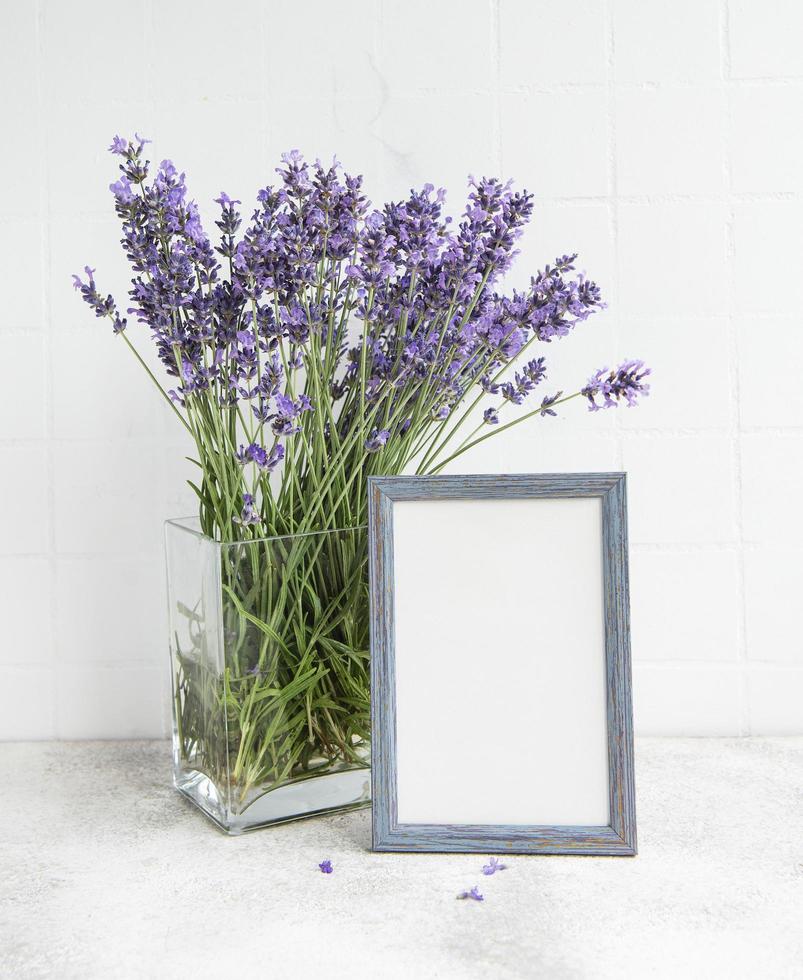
{"points": [[613, 200], [47, 340], [733, 361], [496, 68]]}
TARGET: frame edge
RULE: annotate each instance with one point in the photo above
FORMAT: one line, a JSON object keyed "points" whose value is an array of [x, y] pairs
{"points": [[616, 839]]}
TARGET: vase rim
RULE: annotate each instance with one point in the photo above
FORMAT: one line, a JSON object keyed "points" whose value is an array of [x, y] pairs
{"points": [[190, 525]]}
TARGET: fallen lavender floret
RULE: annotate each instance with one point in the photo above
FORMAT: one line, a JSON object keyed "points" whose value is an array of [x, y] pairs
{"points": [[473, 893], [326, 867], [493, 866]]}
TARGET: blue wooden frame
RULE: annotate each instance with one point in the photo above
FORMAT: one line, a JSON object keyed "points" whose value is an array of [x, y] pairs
{"points": [[617, 838]]}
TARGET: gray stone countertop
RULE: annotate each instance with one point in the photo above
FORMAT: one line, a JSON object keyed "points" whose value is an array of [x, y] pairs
{"points": [[105, 872]]}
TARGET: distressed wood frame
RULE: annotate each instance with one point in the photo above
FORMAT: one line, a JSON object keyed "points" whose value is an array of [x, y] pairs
{"points": [[619, 837]]}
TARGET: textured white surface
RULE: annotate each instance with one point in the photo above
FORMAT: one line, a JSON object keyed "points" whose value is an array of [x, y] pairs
{"points": [[110, 875], [662, 141]]}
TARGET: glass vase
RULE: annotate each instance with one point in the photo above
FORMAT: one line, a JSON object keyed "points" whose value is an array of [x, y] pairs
{"points": [[269, 656]]}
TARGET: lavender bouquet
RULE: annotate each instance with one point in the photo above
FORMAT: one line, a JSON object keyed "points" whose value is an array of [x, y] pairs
{"points": [[319, 343]]}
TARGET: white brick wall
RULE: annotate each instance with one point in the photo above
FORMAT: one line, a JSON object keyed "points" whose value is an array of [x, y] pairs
{"points": [[663, 141]]}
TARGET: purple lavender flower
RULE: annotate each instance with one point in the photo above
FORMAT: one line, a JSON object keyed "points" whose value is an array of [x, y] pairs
{"points": [[525, 380], [535, 370], [513, 393], [275, 456], [326, 867], [473, 893], [493, 866], [224, 200], [249, 513], [546, 404], [234, 320], [376, 440], [122, 190], [376, 249], [405, 253], [132, 165], [626, 381], [228, 224], [285, 421], [415, 229], [101, 306], [265, 460]]}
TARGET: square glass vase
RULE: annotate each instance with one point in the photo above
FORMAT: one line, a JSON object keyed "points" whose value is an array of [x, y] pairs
{"points": [[270, 674]]}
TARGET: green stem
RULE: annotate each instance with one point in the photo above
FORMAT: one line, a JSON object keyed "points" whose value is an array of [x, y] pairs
{"points": [[153, 378], [501, 428]]}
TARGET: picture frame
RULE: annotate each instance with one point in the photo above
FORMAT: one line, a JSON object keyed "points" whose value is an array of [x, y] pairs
{"points": [[500, 672]]}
